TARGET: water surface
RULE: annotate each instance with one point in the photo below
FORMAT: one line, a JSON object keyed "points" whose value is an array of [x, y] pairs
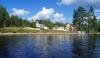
{"points": [[50, 46]]}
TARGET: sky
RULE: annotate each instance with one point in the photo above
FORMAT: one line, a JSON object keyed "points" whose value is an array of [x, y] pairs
{"points": [[55, 10]]}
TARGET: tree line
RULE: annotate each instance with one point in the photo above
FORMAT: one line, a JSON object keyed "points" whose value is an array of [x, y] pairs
{"points": [[11, 21], [86, 20], [14, 21], [51, 24]]}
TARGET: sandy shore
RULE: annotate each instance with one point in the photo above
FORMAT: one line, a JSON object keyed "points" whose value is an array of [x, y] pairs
{"points": [[32, 33], [38, 33]]}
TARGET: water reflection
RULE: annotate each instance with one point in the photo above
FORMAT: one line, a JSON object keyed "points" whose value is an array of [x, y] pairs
{"points": [[50, 46], [84, 46]]}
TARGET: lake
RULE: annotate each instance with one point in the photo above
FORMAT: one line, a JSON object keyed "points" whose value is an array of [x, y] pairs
{"points": [[50, 46]]}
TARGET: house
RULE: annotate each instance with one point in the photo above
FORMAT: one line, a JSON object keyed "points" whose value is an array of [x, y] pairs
{"points": [[70, 27], [61, 28], [39, 24]]}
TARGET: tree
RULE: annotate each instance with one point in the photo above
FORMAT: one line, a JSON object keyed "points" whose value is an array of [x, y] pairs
{"points": [[48, 23], [59, 24], [4, 17], [12, 21], [98, 25], [92, 21], [85, 21], [16, 21], [79, 16]]}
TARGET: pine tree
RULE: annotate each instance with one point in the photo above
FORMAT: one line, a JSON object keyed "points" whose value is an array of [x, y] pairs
{"points": [[79, 18], [4, 17], [92, 21]]}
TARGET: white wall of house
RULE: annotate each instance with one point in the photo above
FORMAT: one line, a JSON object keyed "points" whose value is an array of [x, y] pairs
{"points": [[37, 24], [68, 27], [59, 28], [41, 26]]}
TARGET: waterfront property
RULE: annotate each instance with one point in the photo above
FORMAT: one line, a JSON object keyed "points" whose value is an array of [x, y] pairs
{"points": [[60, 28], [68, 27], [39, 24]]}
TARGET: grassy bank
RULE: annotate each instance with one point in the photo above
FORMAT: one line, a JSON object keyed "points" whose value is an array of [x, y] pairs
{"points": [[27, 30], [34, 31], [17, 30]]}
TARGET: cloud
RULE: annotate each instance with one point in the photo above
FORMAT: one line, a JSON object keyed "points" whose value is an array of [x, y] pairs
{"points": [[92, 1], [66, 2], [59, 17], [97, 11], [19, 12], [98, 17], [44, 13], [49, 13], [70, 2]]}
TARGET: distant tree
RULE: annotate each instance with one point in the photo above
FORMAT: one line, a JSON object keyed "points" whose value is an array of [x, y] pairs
{"points": [[16, 21], [92, 21], [85, 21], [79, 16], [4, 17], [59, 24], [98, 25], [13, 21], [75, 19], [33, 24], [48, 23]]}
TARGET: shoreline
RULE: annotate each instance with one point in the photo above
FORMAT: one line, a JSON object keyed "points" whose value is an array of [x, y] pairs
{"points": [[34, 33], [40, 33], [25, 31]]}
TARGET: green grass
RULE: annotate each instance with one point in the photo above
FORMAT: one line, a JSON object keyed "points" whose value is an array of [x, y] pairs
{"points": [[26, 30], [17, 30]]}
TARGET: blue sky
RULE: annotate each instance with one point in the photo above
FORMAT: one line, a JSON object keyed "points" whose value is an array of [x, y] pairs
{"points": [[56, 10]]}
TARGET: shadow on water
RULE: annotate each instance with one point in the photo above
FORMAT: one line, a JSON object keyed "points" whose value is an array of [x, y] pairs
{"points": [[50, 46], [85, 46], [3, 51]]}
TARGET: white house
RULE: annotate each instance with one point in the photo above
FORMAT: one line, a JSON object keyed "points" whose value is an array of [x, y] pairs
{"points": [[70, 27], [39, 24], [61, 28]]}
